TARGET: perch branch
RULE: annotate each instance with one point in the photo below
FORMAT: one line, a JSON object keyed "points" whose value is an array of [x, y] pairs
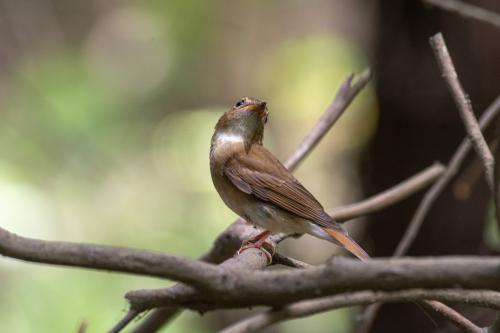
{"points": [[237, 288], [251, 259]]}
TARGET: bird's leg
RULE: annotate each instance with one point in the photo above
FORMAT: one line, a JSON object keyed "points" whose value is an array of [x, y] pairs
{"points": [[259, 242], [260, 236]]}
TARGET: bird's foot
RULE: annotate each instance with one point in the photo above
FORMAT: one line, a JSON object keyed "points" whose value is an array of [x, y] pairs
{"points": [[266, 248], [260, 242]]}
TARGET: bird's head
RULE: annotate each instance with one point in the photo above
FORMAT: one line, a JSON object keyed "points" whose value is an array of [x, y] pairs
{"points": [[246, 119]]}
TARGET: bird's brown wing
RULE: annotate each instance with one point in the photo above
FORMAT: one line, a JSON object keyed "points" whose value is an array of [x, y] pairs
{"points": [[260, 174]]}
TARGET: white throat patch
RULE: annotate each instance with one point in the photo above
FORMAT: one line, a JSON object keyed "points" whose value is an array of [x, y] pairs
{"points": [[223, 138]]}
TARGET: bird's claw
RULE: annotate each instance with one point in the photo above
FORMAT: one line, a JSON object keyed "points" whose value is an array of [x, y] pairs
{"points": [[266, 248]]}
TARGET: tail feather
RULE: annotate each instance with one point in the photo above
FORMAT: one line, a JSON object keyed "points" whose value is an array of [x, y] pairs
{"points": [[347, 242]]}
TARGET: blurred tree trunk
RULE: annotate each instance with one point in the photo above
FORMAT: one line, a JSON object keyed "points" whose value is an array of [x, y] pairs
{"points": [[419, 124]]}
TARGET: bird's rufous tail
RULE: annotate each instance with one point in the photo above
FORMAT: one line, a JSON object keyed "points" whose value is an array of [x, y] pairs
{"points": [[347, 242]]}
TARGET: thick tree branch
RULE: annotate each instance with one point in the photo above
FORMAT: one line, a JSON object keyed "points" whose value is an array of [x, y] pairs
{"points": [[483, 298], [251, 259], [109, 258], [464, 106], [232, 288]]}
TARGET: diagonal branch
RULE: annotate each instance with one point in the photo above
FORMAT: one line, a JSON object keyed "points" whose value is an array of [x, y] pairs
{"points": [[464, 105], [483, 298], [467, 10], [342, 100], [129, 316], [464, 324]]}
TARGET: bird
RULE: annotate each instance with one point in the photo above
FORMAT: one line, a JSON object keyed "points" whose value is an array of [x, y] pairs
{"points": [[255, 185]]}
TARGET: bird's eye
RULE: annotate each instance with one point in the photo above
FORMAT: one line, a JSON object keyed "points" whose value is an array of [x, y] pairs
{"points": [[239, 103]]}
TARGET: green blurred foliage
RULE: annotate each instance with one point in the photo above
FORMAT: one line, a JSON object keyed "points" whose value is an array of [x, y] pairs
{"points": [[105, 139]]}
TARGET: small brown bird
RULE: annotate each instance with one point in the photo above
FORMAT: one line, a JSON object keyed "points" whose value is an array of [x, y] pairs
{"points": [[257, 187]]}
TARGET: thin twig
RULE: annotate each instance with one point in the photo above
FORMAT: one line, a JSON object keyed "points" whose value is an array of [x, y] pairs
{"points": [[464, 324], [82, 328], [280, 259], [156, 320], [464, 106], [483, 298], [342, 100], [390, 196], [129, 316], [467, 10]]}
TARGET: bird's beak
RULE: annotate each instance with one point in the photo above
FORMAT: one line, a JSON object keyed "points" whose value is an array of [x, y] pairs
{"points": [[260, 108]]}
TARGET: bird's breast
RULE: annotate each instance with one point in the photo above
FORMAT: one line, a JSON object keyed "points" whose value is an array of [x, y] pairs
{"points": [[223, 148]]}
